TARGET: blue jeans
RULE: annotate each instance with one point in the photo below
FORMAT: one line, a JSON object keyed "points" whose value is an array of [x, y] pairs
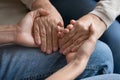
{"points": [[104, 77], [23, 63], [70, 9]]}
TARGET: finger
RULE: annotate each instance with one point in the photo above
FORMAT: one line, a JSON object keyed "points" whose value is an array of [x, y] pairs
{"points": [[67, 37], [75, 45], [59, 29], [88, 46], [72, 21], [48, 37], [36, 32], [60, 24], [40, 12], [70, 26], [55, 37], [60, 34], [75, 48], [67, 50], [55, 40], [65, 31], [70, 42], [43, 36]]}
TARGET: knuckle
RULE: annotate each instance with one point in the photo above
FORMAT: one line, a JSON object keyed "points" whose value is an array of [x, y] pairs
{"points": [[81, 26], [43, 33]]}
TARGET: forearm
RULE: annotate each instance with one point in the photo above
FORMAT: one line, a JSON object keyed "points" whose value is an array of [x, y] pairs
{"points": [[7, 34], [71, 70]]}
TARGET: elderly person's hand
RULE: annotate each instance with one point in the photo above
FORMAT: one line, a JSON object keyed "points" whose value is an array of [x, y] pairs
{"points": [[45, 27], [24, 34], [77, 61], [85, 49], [80, 32]]}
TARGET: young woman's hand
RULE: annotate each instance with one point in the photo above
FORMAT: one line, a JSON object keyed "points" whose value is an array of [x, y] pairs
{"points": [[24, 33]]}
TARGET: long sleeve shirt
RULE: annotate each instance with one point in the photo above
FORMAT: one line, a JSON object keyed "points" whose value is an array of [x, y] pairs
{"points": [[107, 10]]}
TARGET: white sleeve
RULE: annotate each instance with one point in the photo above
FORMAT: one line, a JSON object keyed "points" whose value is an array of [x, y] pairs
{"points": [[28, 3], [107, 10]]}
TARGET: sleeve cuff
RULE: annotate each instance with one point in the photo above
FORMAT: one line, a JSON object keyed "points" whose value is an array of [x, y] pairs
{"points": [[107, 10], [103, 17]]}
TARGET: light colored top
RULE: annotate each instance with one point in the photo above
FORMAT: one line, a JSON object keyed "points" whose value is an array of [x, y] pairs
{"points": [[28, 3], [107, 10], [12, 10]]}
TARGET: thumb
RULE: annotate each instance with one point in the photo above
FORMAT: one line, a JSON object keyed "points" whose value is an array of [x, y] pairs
{"points": [[92, 34], [88, 46]]}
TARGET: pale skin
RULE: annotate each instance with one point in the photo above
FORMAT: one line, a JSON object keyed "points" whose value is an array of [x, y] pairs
{"points": [[46, 26], [77, 59], [47, 38], [72, 41], [21, 33]]}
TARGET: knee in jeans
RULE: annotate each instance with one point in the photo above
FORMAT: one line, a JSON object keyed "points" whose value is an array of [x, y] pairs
{"points": [[102, 58]]}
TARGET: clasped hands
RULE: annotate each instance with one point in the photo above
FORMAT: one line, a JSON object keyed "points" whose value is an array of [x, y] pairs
{"points": [[40, 28], [77, 39]]}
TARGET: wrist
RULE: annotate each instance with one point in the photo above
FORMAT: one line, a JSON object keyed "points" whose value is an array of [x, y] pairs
{"points": [[99, 25], [7, 34], [45, 4], [79, 65]]}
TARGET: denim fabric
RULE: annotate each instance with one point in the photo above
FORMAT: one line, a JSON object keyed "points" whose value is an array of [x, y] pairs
{"points": [[104, 77], [70, 9], [22, 63], [112, 38]]}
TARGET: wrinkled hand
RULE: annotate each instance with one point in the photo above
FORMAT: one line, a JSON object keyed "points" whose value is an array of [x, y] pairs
{"points": [[86, 48], [81, 57], [80, 32], [24, 34], [45, 29]]}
